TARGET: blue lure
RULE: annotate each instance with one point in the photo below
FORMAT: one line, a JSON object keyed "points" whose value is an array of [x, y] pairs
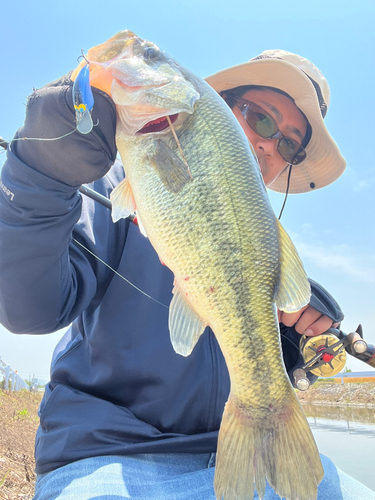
{"points": [[83, 100]]}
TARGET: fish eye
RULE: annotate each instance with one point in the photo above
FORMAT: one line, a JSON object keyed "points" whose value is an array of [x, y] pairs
{"points": [[151, 53]]}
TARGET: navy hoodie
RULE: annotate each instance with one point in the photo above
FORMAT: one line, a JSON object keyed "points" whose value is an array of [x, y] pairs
{"points": [[117, 386]]}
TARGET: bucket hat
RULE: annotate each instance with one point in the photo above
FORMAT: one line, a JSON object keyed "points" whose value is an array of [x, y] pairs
{"points": [[306, 85]]}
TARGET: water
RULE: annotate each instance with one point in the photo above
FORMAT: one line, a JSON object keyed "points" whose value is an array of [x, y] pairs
{"points": [[347, 436]]}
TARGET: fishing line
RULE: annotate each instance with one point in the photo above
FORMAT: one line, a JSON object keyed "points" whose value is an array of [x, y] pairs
{"points": [[290, 341], [43, 138], [118, 274], [4, 144], [144, 293], [179, 145]]}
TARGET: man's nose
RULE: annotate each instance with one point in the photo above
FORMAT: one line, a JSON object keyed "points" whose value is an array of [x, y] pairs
{"points": [[267, 146]]}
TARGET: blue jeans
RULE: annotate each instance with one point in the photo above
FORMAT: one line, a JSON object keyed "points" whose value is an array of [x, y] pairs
{"points": [[166, 477]]}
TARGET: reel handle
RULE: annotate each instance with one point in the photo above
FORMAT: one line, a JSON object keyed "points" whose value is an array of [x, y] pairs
{"points": [[356, 343], [301, 380], [357, 347]]}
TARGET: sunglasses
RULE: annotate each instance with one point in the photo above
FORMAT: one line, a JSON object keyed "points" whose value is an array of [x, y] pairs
{"points": [[264, 125]]}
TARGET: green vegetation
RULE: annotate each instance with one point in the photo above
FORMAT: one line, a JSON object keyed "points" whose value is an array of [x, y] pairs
{"points": [[2, 480], [321, 380], [23, 413]]}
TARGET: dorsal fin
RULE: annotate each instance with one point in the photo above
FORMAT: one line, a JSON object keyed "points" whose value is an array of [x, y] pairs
{"points": [[294, 289]]}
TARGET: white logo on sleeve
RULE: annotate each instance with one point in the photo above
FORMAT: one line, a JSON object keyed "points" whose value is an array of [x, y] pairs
{"points": [[7, 191]]}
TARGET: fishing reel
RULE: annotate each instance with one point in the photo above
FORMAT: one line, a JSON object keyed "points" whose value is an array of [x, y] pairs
{"points": [[325, 355]]}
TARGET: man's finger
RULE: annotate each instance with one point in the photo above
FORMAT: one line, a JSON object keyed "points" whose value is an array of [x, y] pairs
{"points": [[279, 315], [318, 327], [290, 319], [307, 318]]}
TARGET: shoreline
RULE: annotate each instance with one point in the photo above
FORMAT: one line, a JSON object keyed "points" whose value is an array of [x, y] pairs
{"points": [[356, 395], [335, 405]]}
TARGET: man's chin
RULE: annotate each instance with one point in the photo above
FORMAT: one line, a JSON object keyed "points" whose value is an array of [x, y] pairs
{"points": [[263, 166]]}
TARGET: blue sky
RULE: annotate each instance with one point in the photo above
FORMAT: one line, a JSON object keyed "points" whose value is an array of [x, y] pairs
{"points": [[333, 228]]}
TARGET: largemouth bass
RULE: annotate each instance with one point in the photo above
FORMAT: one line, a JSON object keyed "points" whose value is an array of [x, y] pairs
{"points": [[200, 198]]}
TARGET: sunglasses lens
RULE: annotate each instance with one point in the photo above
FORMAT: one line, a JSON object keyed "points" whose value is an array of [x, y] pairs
{"points": [[261, 122], [291, 151], [264, 125]]}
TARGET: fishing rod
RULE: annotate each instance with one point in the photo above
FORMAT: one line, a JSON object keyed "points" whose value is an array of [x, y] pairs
{"points": [[324, 355], [90, 193]]}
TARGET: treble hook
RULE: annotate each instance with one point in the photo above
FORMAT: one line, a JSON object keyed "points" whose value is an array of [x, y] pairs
{"points": [[83, 56]]}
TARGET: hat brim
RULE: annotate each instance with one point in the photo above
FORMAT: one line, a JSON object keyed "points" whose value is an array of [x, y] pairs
{"points": [[324, 162]]}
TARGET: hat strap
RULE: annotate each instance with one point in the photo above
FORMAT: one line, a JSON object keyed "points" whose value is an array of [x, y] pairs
{"points": [[322, 104], [287, 190]]}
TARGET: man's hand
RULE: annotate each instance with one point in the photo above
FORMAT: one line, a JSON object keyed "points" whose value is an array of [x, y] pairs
{"points": [[307, 321], [74, 159]]}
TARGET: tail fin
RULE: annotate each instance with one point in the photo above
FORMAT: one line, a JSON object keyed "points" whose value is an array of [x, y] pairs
{"points": [[280, 449]]}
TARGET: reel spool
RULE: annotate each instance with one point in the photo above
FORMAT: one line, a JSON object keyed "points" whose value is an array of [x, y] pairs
{"points": [[333, 357]]}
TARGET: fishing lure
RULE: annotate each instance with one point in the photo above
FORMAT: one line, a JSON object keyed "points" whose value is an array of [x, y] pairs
{"points": [[83, 100]]}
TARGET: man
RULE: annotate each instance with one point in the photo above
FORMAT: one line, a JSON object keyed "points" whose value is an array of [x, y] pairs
{"points": [[123, 415]]}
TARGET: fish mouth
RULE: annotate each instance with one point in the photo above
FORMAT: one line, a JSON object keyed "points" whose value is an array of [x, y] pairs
{"points": [[157, 125]]}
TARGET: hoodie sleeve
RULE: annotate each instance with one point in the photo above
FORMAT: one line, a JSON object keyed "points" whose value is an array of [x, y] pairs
{"points": [[46, 280]]}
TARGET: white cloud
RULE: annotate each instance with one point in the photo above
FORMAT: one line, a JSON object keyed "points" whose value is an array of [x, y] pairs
{"points": [[340, 259], [361, 180], [365, 184]]}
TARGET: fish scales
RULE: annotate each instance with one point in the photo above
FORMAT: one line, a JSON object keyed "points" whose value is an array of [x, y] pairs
{"points": [[214, 228], [217, 211]]}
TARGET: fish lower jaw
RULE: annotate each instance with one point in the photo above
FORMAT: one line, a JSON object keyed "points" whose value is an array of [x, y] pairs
{"points": [[157, 125]]}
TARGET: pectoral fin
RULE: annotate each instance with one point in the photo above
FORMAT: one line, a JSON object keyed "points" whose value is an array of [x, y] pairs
{"points": [[294, 289], [185, 326], [173, 172], [123, 203]]}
